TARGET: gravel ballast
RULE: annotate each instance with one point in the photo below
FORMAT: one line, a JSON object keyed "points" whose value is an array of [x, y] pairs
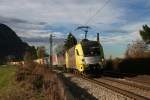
{"points": [[99, 92]]}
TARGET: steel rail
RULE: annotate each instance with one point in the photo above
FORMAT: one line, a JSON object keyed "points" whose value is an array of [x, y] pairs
{"points": [[135, 85], [139, 81], [126, 93]]}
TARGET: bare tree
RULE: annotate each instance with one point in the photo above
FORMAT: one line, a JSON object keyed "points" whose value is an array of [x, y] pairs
{"points": [[136, 49], [41, 53]]}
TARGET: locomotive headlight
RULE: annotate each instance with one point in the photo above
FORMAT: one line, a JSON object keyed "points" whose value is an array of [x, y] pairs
{"points": [[102, 59], [83, 60]]}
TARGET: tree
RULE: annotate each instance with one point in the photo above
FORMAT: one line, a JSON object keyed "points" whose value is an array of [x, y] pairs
{"points": [[145, 34], [136, 50], [59, 49], [33, 52], [70, 42], [28, 56], [41, 52]]}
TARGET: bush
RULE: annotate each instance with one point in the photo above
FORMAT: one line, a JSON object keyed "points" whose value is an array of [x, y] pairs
{"points": [[38, 81], [109, 64], [25, 71], [135, 66], [129, 65], [42, 80]]}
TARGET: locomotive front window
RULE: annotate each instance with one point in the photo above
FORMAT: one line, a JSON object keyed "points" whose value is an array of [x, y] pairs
{"points": [[91, 49]]}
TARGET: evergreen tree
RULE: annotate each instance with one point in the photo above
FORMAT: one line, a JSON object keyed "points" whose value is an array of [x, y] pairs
{"points": [[70, 42], [33, 52], [145, 34]]}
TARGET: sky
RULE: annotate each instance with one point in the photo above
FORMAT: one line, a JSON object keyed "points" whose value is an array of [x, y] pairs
{"points": [[117, 21]]}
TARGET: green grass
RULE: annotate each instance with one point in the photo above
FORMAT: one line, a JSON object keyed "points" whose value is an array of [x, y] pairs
{"points": [[13, 90], [7, 76]]}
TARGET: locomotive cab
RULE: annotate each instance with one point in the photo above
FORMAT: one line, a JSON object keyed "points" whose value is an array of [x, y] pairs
{"points": [[93, 57], [85, 57]]}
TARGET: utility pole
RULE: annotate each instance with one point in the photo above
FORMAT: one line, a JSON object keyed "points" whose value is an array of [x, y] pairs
{"points": [[51, 50], [98, 38], [86, 31]]}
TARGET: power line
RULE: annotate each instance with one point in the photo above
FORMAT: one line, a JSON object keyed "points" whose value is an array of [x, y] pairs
{"points": [[99, 10], [64, 7]]}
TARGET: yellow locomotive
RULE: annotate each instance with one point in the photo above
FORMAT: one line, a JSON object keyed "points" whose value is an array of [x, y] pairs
{"points": [[85, 57]]}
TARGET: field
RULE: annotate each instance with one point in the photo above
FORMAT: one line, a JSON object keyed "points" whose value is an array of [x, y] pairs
{"points": [[12, 90], [7, 77], [29, 87]]}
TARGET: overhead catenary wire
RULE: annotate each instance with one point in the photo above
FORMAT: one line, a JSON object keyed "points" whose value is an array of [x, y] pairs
{"points": [[64, 7], [86, 22], [98, 11]]}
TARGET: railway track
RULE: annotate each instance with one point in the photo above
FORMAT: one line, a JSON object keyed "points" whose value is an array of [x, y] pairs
{"points": [[130, 87], [127, 76], [129, 83], [127, 94], [116, 89], [142, 81]]}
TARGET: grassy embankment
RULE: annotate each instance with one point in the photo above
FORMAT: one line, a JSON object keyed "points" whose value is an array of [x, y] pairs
{"points": [[12, 90], [7, 77], [22, 83], [29, 87]]}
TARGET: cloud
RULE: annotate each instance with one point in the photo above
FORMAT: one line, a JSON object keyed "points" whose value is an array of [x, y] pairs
{"points": [[118, 23], [120, 39], [12, 20], [39, 13], [135, 26], [52, 12], [42, 37]]}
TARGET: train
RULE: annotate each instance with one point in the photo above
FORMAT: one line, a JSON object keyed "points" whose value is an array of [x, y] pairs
{"points": [[86, 57]]}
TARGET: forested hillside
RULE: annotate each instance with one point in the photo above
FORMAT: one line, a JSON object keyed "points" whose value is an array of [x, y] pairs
{"points": [[11, 46]]}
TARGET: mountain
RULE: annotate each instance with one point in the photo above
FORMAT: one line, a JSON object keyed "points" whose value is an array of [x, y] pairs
{"points": [[10, 44]]}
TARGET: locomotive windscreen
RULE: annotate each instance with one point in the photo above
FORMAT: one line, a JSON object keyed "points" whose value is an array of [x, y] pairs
{"points": [[91, 48]]}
